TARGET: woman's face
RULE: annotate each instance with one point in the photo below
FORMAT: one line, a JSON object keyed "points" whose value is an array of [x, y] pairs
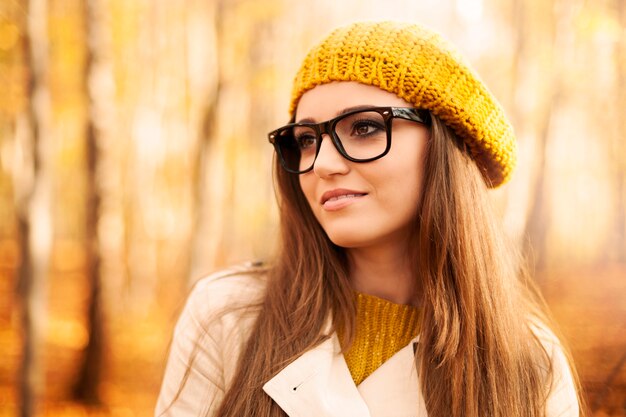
{"points": [[361, 205]]}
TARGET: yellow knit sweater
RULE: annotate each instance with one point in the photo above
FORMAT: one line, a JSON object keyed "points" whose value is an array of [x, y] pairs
{"points": [[382, 329]]}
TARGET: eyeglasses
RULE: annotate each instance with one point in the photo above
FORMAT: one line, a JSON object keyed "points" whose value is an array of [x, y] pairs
{"points": [[361, 135]]}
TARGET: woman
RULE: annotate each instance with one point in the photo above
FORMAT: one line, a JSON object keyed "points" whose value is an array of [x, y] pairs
{"points": [[394, 292]]}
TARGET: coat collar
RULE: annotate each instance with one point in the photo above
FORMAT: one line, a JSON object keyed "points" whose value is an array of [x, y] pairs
{"points": [[318, 384]]}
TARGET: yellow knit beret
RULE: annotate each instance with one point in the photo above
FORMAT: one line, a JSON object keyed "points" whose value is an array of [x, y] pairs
{"points": [[420, 67]]}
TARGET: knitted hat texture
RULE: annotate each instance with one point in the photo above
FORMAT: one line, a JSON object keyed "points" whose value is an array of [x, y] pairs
{"points": [[422, 68]]}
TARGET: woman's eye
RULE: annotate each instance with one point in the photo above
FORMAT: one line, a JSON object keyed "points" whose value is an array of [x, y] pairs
{"points": [[365, 128], [305, 141]]}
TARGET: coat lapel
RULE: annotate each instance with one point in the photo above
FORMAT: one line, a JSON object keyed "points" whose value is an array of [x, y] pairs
{"points": [[318, 384], [393, 390]]}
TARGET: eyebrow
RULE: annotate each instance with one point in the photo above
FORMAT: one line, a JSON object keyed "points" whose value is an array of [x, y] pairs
{"points": [[339, 113]]}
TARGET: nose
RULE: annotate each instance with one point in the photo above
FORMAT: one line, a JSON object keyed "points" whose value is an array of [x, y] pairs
{"points": [[329, 161]]}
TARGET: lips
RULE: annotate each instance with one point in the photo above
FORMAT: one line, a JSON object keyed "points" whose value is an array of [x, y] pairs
{"points": [[340, 194]]}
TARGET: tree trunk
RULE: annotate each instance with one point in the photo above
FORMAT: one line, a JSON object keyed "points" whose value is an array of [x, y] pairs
{"points": [[90, 374], [29, 367], [199, 264], [539, 212], [617, 242], [33, 200]]}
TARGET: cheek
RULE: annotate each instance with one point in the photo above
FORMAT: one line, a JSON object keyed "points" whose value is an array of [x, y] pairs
{"points": [[307, 185], [403, 188]]}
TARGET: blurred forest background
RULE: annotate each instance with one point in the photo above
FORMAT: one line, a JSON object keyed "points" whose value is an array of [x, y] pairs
{"points": [[134, 160]]}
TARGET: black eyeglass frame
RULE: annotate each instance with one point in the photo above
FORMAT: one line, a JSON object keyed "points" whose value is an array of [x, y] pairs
{"points": [[328, 127]]}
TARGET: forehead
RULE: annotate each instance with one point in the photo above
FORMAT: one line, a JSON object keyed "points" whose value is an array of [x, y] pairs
{"points": [[328, 100]]}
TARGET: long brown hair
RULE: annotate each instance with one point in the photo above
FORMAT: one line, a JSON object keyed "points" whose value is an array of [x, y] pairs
{"points": [[477, 355]]}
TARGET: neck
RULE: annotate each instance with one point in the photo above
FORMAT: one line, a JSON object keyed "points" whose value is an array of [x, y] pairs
{"points": [[383, 272]]}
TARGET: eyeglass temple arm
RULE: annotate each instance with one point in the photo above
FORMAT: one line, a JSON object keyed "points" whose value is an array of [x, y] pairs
{"points": [[416, 115]]}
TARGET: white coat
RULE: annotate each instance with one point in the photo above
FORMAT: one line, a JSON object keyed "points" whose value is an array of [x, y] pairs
{"points": [[207, 343]]}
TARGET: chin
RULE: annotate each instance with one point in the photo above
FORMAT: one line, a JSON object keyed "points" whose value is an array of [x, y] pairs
{"points": [[348, 241]]}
